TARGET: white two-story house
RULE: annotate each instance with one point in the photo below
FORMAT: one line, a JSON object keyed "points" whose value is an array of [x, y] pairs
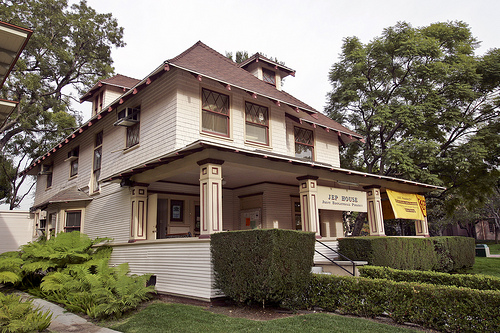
{"points": [[202, 145]]}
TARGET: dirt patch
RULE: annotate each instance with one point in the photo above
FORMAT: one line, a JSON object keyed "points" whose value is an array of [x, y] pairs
{"points": [[255, 312]]}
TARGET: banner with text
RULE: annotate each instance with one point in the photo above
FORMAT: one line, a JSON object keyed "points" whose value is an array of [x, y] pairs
{"points": [[407, 205], [332, 198]]}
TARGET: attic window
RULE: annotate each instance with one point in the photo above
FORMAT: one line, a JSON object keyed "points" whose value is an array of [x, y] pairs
{"points": [[269, 76]]}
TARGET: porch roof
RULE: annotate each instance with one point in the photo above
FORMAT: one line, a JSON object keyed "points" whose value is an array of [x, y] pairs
{"points": [[200, 145], [72, 194]]}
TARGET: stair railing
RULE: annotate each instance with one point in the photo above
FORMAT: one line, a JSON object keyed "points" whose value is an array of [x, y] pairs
{"points": [[353, 273]]}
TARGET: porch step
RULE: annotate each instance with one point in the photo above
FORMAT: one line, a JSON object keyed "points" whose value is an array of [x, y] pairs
{"points": [[328, 267], [319, 270]]}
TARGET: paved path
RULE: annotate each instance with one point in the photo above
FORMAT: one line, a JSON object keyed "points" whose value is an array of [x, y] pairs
{"points": [[66, 322]]}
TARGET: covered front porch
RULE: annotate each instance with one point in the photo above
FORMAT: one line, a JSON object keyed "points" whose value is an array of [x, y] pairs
{"points": [[207, 188]]}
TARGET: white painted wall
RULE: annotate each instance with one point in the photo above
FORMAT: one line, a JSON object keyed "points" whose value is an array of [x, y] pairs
{"points": [[16, 228]]}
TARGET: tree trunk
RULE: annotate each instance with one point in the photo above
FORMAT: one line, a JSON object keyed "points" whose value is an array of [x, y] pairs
{"points": [[358, 224]]}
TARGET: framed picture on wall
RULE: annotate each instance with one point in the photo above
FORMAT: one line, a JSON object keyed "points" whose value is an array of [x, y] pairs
{"points": [[176, 210]]}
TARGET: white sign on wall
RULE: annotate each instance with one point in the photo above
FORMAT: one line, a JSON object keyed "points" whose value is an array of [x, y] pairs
{"points": [[331, 198]]}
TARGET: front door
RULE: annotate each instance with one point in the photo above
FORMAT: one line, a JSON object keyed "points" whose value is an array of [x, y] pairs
{"points": [[161, 218]]}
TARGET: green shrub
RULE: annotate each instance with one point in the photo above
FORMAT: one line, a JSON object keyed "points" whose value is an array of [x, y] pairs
{"points": [[264, 266], [108, 291], [480, 282], [436, 253], [445, 308], [20, 316], [71, 270]]}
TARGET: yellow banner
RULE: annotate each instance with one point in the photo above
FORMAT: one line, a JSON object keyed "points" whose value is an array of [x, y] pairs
{"points": [[407, 206]]}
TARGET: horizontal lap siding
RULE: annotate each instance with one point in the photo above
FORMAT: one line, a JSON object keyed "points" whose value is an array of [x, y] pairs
{"points": [[180, 267], [108, 215], [16, 228]]}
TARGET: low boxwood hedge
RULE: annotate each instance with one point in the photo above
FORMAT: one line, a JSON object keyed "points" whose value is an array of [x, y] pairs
{"points": [[481, 282], [445, 308], [264, 266], [442, 254]]}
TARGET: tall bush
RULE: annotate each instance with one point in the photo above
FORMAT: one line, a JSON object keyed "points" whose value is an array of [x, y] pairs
{"points": [[436, 253], [264, 266]]}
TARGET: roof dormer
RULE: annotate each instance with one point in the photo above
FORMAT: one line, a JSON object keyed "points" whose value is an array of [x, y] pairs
{"points": [[267, 70], [106, 91]]}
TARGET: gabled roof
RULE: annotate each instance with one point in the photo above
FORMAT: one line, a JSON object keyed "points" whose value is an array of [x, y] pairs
{"points": [[72, 194], [203, 62], [259, 57], [120, 81]]}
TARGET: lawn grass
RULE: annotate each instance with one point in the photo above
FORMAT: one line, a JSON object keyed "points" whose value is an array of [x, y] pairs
{"points": [[172, 317], [486, 266]]}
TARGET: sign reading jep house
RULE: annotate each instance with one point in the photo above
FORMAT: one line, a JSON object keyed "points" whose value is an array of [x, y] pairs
{"points": [[332, 198]]}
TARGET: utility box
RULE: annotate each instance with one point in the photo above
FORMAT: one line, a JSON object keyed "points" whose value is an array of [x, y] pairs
{"points": [[482, 250]]}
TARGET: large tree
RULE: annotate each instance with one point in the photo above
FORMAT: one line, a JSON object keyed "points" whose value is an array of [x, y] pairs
{"points": [[69, 50], [427, 106]]}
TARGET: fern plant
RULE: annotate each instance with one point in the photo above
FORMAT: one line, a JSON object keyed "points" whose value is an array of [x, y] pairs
{"points": [[69, 269], [110, 291], [21, 316]]}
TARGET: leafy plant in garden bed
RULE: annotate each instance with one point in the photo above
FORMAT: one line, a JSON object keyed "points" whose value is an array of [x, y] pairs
{"points": [[20, 316], [71, 270]]}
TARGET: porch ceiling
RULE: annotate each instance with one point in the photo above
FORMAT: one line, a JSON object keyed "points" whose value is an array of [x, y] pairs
{"points": [[244, 168]]}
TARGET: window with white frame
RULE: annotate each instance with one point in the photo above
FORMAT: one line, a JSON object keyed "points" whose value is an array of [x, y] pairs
{"points": [[257, 123], [215, 112], [96, 165], [73, 158], [133, 131], [304, 143], [73, 220]]}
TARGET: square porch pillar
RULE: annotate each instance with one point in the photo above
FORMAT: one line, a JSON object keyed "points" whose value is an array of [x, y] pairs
{"points": [[139, 195], [308, 204], [375, 217], [210, 196], [422, 227]]}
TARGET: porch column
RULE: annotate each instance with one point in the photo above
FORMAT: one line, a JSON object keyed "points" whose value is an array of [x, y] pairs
{"points": [[375, 217], [139, 194], [210, 196], [422, 228], [308, 205]]}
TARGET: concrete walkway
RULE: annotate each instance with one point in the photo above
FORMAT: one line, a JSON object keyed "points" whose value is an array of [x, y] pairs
{"points": [[64, 321]]}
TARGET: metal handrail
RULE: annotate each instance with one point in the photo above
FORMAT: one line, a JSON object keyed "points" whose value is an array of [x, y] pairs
{"points": [[340, 254]]}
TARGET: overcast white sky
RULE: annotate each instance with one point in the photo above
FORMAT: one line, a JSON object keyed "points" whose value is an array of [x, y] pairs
{"points": [[306, 35]]}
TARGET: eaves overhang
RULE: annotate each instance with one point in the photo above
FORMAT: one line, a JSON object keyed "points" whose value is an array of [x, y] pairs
{"points": [[200, 145]]}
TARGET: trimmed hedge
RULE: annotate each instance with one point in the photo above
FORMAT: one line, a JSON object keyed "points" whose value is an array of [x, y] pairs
{"points": [[480, 282], [442, 254], [265, 266], [445, 308]]}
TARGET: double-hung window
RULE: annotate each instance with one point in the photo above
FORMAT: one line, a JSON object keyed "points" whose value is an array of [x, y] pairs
{"points": [[304, 143], [73, 159], [133, 130], [215, 112], [257, 123], [73, 220], [96, 166]]}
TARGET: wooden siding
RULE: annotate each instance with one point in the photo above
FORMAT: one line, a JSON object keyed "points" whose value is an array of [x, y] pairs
{"points": [[181, 266], [108, 215]]}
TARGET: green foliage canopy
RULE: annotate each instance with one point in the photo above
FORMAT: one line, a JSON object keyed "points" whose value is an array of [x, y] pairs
{"points": [[426, 104], [70, 50]]}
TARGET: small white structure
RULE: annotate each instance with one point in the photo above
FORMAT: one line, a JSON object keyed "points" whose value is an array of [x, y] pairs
{"points": [[16, 228]]}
